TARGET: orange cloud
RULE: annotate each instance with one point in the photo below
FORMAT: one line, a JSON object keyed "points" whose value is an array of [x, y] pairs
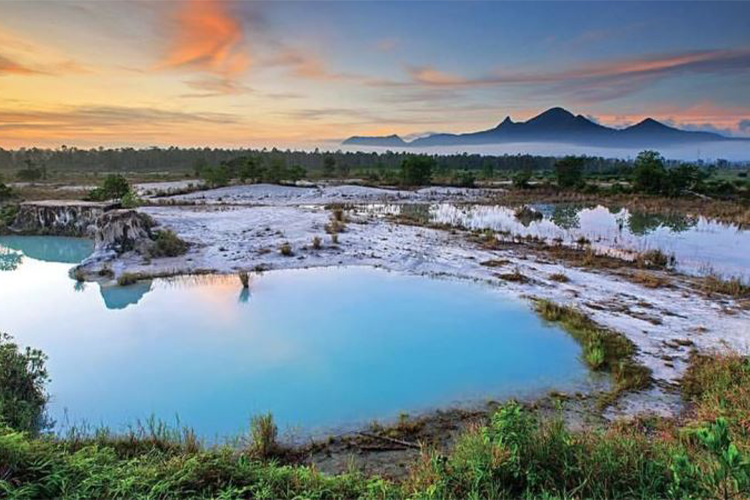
{"points": [[305, 65], [428, 75], [9, 66], [207, 38], [597, 81]]}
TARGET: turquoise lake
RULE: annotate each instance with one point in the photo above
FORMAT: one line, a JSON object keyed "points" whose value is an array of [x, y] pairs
{"points": [[321, 349]]}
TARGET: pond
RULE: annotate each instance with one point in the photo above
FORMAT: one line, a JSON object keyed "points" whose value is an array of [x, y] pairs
{"points": [[700, 246], [320, 349]]}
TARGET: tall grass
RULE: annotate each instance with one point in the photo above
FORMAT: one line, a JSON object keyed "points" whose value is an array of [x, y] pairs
{"points": [[263, 434]]}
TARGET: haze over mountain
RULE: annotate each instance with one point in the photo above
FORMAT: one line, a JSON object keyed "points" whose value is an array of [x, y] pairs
{"points": [[556, 125]]}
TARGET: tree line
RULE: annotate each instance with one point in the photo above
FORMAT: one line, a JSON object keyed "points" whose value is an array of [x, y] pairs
{"points": [[36, 163]]}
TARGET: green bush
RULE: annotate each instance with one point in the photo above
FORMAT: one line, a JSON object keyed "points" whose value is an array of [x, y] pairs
{"points": [[22, 392], [416, 170], [131, 200], [521, 178], [6, 192], [168, 244], [113, 187]]}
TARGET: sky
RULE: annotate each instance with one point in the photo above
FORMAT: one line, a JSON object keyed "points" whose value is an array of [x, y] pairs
{"points": [[298, 74]]}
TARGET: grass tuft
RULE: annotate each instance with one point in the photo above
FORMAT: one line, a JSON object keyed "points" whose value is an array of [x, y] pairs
{"points": [[263, 434], [286, 249], [734, 287], [559, 277]]}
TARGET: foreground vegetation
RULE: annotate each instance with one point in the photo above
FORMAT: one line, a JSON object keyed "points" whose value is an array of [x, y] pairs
{"points": [[515, 454]]}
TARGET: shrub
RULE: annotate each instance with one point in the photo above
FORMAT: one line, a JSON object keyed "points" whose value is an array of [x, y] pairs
{"points": [[168, 244], [263, 433], [464, 178], [317, 243], [8, 215], [559, 277], [6, 192], [22, 393], [113, 187], [521, 178], [131, 200], [286, 249]]}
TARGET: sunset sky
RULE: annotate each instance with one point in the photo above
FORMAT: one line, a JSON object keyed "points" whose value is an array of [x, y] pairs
{"points": [[208, 72]]}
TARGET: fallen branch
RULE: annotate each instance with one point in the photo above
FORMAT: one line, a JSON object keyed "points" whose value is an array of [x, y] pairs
{"points": [[399, 442]]}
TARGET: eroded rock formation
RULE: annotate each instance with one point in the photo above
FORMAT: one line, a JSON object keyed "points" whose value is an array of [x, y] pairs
{"points": [[59, 218], [122, 231]]}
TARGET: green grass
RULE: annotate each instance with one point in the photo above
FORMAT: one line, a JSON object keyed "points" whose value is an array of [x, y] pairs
{"points": [[603, 349]]}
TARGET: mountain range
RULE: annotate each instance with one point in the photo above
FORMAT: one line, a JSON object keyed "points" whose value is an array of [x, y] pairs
{"points": [[556, 125]]}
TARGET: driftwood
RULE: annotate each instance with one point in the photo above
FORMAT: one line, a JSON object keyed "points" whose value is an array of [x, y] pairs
{"points": [[405, 444], [701, 196]]}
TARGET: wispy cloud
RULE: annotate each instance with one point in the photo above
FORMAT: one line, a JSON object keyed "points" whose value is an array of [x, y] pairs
{"points": [[599, 81], [428, 75], [22, 57], [744, 125], [91, 118], [11, 67], [215, 86], [302, 64], [207, 37]]}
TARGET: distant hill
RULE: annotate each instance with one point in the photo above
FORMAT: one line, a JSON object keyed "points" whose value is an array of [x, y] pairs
{"points": [[556, 125], [386, 140]]}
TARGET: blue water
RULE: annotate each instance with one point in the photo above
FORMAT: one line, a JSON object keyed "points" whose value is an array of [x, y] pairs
{"points": [[320, 349]]}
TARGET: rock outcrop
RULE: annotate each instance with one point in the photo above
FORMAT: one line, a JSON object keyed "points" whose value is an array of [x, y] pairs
{"points": [[59, 218], [122, 231]]}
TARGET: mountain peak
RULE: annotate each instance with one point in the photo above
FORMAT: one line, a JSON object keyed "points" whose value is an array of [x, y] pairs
{"points": [[554, 125], [556, 112], [650, 123], [507, 121], [553, 116]]}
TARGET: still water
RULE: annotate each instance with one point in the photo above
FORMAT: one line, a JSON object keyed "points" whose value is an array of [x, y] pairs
{"points": [[700, 246], [320, 349]]}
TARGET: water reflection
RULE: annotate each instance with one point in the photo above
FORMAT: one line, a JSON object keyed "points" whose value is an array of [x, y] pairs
{"points": [[641, 223], [699, 245], [9, 259], [120, 297], [566, 216]]}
